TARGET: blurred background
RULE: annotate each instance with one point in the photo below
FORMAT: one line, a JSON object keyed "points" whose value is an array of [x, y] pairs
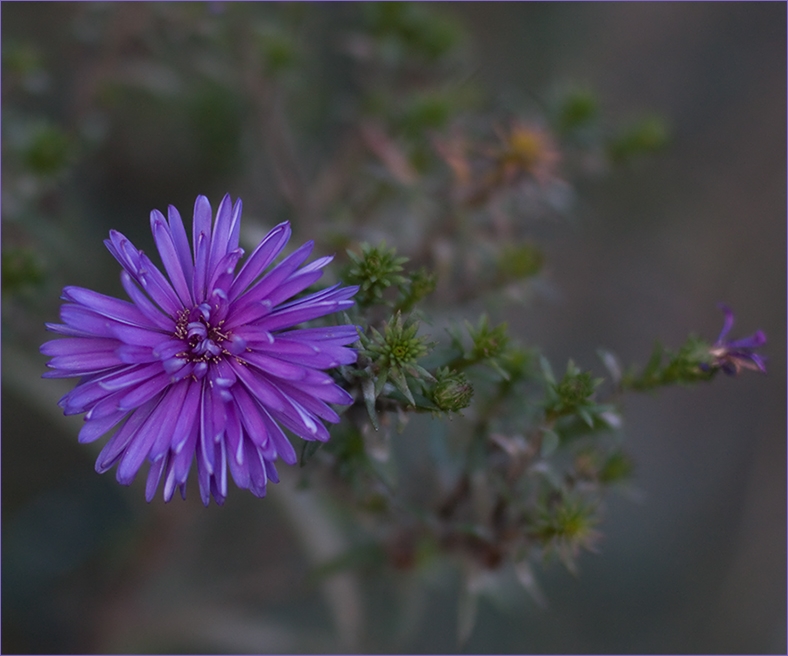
{"points": [[100, 126]]}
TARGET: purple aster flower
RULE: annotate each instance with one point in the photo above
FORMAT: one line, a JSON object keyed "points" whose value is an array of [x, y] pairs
{"points": [[733, 356], [204, 362]]}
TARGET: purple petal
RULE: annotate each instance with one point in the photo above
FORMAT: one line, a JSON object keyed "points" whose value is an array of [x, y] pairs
{"points": [[728, 324], [124, 252], [328, 393], [234, 433], [221, 233], [78, 346], [259, 386], [265, 253], [201, 253], [129, 376], [295, 284], [137, 336], [339, 335], [308, 355], [184, 456], [187, 417], [256, 467], [158, 287], [181, 242], [105, 407], [201, 239], [169, 256], [115, 447], [203, 475], [755, 340], [275, 367], [107, 306], [310, 403], [68, 331], [284, 448], [154, 476], [82, 397], [68, 366], [270, 470], [759, 361], [235, 226], [222, 276], [144, 392], [92, 430], [170, 482], [149, 309], [173, 403], [137, 450], [220, 477], [130, 354], [86, 321], [251, 415], [306, 311], [239, 471], [267, 286], [206, 426], [301, 422]]}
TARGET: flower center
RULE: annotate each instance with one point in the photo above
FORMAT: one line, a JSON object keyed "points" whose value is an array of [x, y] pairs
{"points": [[204, 340]]}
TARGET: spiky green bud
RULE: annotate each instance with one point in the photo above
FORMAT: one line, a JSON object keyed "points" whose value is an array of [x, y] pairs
{"points": [[572, 394], [421, 284], [395, 353], [488, 341], [566, 527], [374, 270]]}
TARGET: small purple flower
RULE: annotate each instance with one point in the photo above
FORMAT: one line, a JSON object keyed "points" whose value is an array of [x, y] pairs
{"points": [[733, 356], [204, 362]]}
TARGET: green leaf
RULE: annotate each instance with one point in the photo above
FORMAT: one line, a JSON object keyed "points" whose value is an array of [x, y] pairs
{"points": [[612, 364], [547, 369], [400, 382], [368, 389]]}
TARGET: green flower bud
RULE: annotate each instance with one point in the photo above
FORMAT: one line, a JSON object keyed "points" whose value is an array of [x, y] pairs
{"points": [[566, 527], [422, 284], [617, 467], [577, 110], [572, 394], [398, 346], [647, 136], [395, 353], [488, 342], [374, 270], [452, 391]]}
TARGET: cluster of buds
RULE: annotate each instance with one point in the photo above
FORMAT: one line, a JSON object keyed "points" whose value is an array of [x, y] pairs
{"points": [[535, 466]]}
